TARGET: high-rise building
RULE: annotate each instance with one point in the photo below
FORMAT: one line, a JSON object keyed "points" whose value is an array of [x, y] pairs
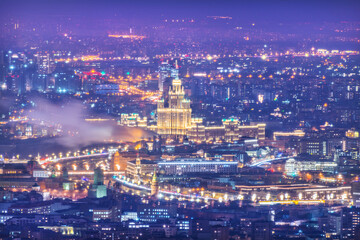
{"points": [[98, 176], [98, 189], [39, 82], [355, 192], [19, 72], [175, 119], [3, 69], [66, 81], [163, 74], [45, 63], [200, 86], [350, 222], [167, 71], [261, 230]]}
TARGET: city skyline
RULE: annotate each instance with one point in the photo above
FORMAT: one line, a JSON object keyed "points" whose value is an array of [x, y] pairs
{"points": [[221, 120]]}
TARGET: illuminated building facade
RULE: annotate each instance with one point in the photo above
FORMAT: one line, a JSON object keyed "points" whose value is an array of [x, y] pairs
{"points": [[148, 213], [139, 168], [296, 133], [312, 146], [175, 119], [132, 120], [118, 163], [229, 131], [352, 133], [189, 165], [34, 208], [197, 130], [355, 192], [293, 167], [101, 213], [154, 185]]}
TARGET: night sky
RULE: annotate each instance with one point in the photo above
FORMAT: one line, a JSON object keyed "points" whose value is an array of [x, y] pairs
{"points": [[277, 10]]}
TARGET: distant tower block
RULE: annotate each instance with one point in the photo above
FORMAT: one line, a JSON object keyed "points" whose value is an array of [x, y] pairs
{"points": [[65, 173], [98, 176], [154, 185], [98, 189]]}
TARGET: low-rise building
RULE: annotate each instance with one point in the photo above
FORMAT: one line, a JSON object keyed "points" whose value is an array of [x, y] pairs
{"points": [[196, 165], [294, 166]]}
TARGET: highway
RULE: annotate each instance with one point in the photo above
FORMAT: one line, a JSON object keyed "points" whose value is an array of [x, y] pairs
{"points": [[161, 192]]}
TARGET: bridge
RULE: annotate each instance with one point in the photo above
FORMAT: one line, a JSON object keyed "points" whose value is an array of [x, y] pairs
{"points": [[268, 160], [55, 160]]}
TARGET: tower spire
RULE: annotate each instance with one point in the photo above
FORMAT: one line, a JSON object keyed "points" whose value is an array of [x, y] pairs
{"points": [[154, 185], [138, 166], [154, 178]]}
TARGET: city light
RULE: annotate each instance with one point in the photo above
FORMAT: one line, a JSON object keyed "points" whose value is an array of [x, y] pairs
{"points": [[172, 120]]}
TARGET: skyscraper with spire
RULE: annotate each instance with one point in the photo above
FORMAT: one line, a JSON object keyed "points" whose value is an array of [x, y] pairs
{"points": [[174, 117]]}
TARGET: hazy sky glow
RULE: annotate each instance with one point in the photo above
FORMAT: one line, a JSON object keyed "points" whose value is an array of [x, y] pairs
{"points": [[277, 10]]}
